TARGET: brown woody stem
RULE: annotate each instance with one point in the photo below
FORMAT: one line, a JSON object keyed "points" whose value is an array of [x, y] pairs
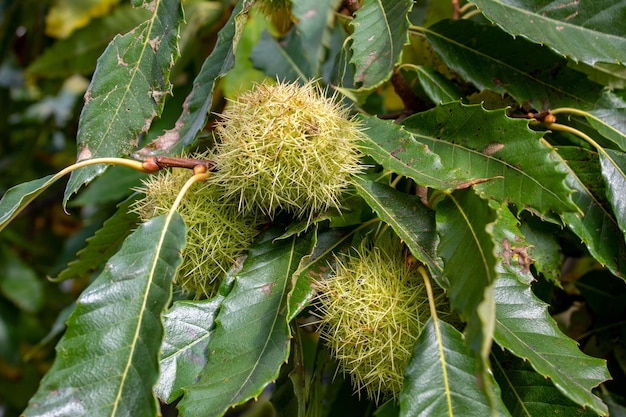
{"points": [[155, 163]]}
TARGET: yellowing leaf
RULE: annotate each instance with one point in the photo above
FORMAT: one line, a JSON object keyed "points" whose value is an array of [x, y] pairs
{"points": [[68, 15]]}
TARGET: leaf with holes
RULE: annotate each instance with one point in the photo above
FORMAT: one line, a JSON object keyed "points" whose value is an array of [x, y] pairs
{"points": [[127, 90]]}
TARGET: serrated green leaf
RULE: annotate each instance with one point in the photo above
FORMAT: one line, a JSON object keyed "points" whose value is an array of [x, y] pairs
{"points": [[524, 327], [597, 228], [528, 394], [188, 328], [251, 338], [589, 30], [380, 32], [440, 378], [107, 361], [103, 244], [79, 52], [613, 165], [486, 144], [127, 90], [409, 218], [469, 264], [19, 196], [198, 102], [492, 60], [437, 87], [396, 149]]}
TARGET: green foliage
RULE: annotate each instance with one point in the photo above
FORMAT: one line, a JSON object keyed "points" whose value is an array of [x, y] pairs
{"points": [[491, 148]]}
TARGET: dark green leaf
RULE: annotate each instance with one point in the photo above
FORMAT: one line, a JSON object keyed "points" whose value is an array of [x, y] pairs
{"points": [[588, 30], [597, 228], [127, 91], [398, 150], [528, 394], [409, 218], [317, 266], [18, 197], [469, 264], [79, 52], [610, 123], [198, 102], [488, 145], [524, 327], [440, 379], [613, 165], [103, 244], [544, 250], [251, 338], [188, 329], [492, 60], [107, 361], [437, 87], [380, 32]]}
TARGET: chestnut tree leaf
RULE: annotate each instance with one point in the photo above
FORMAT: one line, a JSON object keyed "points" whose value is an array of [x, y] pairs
{"points": [[188, 330], [107, 361], [127, 90], [412, 221], [525, 327], [493, 60], [590, 31], [467, 251], [518, 166], [21, 195], [314, 267], [380, 32], [198, 103], [527, 393], [397, 149], [251, 338], [613, 165], [440, 378], [610, 123], [597, 228]]}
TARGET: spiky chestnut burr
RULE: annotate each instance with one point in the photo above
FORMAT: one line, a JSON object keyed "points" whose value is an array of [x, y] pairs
{"points": [[372, 311], [286, 147], [217, 233]]}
